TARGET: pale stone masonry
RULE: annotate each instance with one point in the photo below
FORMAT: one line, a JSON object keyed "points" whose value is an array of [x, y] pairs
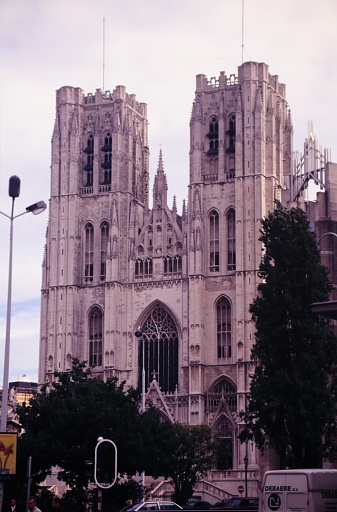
{"points": [[114, 266]]}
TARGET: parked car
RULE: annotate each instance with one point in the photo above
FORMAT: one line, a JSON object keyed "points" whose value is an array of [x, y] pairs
{"points": [[220, 504], [242, 503], [153, 505], [198, 505]]}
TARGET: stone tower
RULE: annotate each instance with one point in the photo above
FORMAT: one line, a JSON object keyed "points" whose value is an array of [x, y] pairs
{"points": [[240, 152], [99, 196], [114, 265]]}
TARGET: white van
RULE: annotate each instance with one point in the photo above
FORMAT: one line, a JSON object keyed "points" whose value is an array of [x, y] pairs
{"points": [[299, 490]]}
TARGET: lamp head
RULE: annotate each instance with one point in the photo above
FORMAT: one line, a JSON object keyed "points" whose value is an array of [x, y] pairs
{"points": [[14, 187], [37, 208]]}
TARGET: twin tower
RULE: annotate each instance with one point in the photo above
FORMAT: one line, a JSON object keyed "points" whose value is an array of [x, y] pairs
{"points": [[184, 281]]}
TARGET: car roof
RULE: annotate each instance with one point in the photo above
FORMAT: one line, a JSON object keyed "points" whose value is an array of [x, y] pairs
{"points": [[147, 503]]}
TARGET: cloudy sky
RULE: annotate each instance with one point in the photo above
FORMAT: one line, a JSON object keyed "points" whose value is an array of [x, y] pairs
{"points": [[155, 48]]}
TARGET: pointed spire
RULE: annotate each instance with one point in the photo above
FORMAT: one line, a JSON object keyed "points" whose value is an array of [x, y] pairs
{"points": [[160, 167], [174, 206], [289, 121], [184, 211], [160, 184]]}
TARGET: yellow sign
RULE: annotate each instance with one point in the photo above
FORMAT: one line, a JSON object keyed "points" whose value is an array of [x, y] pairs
{"points": [[8, 452]]}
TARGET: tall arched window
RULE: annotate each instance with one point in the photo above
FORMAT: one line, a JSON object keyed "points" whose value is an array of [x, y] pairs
{"points": [[231, 252], [224, 328], [160, 339], [95, 336], [107, 143], [214, 241], [223, 391], [231, 132], [88, 168], [224, 446], [213, 135], [107, 159], [90, 145], [104, 245], [89, 252]]}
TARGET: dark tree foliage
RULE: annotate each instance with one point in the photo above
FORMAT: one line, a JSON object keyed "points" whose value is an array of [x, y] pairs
{"points": [[292, 402], [186, 456], [113, 499], [62, 423]]}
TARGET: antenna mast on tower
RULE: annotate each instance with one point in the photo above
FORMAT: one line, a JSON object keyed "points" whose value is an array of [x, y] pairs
{"points": [[103, 51], [242, 30]]}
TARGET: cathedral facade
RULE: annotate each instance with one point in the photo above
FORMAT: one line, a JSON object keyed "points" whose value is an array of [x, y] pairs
{"points": [[116, 265]]}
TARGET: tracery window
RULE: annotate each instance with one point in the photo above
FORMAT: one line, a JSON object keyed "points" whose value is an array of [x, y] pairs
{"points": [[230, 175], [95, 336], [224, 389], [107, 159], [90, 145], [231, 250], [159, 341], [231, 132], [89, 252], [150, 237], [224, 446], [214, 257], [143, 267], [88, 168], [104, 245], [172, 265], [213, 135], [107, 143], [224, 328]]}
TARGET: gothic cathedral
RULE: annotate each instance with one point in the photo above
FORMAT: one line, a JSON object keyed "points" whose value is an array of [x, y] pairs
{"points": [[114, 265]]}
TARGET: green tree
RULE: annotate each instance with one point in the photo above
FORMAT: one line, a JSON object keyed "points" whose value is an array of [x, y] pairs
{"points": [[62, 423], [292, 402], [186, 457]]}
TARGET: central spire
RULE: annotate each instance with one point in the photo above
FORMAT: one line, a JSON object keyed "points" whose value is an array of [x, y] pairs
{"points": [[160, 184]]}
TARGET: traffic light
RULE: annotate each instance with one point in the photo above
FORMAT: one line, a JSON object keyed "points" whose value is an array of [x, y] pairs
{"points": [[105, 471]]}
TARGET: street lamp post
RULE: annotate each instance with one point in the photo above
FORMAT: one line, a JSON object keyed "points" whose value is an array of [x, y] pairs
{"points": [[245, 461], [13, 192]]}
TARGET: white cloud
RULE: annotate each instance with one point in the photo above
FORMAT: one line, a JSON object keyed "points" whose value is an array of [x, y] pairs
{"points": [[23, 340], [155, 48]]}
